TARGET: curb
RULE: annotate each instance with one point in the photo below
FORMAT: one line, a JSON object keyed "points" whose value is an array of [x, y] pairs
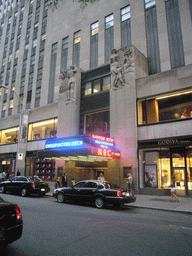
{"points": [[160, 209]]}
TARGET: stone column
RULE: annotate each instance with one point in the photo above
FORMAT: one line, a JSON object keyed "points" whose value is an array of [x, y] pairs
{"points": [[22, 143], [126, 65]]}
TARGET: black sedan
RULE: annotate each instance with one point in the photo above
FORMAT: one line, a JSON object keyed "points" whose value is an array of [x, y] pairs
{"points": [[11, 223], [25, 186], [98, 192]]}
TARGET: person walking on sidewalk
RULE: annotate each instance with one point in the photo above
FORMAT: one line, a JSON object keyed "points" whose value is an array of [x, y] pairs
{"points": [[173, 189], [129, 181]]}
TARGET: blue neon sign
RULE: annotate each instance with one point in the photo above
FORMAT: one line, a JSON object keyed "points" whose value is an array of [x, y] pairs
{"points": [[64, 144]]}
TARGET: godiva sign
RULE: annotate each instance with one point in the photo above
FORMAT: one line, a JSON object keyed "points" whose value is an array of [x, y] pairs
{"points": [[173, 142], [184, 141]]}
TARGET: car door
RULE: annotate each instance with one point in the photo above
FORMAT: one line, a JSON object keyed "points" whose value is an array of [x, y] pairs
{"points": [[11, 186], [88, 191], [22, 181], [75, 192]]}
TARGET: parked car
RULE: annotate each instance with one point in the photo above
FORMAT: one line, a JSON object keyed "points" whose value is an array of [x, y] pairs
{"points": [[11, 223], [98, 192], [25, 186]]}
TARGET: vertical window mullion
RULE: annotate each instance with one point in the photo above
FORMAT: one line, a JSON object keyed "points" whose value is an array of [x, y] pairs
{"points": [[174, 33]]}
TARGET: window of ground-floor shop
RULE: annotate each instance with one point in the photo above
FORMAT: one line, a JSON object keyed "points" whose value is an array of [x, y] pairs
{"points": [[157, 166]]}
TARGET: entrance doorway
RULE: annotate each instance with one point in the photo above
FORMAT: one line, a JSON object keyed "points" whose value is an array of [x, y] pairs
{"points": [[87, 173], [178, 170]]}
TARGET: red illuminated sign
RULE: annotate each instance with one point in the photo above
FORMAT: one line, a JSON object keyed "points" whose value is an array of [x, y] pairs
{"points": [[102, 138], [108, 153]]}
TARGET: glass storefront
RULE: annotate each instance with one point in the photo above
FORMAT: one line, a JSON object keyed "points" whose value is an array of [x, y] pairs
{"points": [[157, 166]]}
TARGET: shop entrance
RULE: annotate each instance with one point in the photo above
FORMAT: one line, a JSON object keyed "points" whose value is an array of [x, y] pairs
{"points": [[178, 169]]}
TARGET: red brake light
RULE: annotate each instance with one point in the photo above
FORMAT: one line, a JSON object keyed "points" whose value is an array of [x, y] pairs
{"points": [[132, 193], [119, 193], [32, 184], [18, 213]]}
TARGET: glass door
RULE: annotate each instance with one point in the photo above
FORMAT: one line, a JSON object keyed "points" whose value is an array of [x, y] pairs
{"points": [[178, 169], [189, 170]]}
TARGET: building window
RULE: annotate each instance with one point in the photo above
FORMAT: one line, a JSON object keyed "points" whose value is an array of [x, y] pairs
{"points": [[152, 37], [174, 33], [97, 123], [52, 73], [109, 36], [9, 135], [125, 27], [64, 53], [168, 107], [42, 130], [88, 88], [190, 6], [94, 45], [97, 85], [76, 48]]}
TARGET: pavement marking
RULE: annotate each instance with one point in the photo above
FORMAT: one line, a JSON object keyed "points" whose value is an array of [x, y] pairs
{"points": [[180, 227]]}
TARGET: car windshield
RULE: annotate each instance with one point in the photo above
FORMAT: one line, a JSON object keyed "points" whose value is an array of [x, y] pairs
{"points": [[35, 179], [110, 186]]}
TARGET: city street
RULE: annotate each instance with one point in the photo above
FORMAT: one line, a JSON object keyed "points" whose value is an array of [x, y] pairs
{"points": [[51, 228]]}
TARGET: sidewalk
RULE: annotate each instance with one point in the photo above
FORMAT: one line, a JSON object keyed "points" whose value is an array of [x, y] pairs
{"points": [[157, 203]]}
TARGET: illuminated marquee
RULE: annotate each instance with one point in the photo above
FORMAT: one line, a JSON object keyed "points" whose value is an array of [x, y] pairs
{"points": [[63, 144]]}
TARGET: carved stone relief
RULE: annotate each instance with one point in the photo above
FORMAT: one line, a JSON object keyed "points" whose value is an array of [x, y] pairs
{"points": [[68, 83], [122, 63]]}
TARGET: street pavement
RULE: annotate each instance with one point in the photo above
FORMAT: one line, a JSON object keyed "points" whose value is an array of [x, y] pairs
{"points": [[162, 203]]}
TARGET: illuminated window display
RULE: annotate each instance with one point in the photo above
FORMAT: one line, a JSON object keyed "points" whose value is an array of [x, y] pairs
{"points": [[9, 135], [43, 129], [166, 107]]}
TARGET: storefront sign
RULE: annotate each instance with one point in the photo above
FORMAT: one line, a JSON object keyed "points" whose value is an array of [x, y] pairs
{"points": [[166, 142]]}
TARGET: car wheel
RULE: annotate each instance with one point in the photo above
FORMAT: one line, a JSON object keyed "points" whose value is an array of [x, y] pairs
{"points": [[60, 198], [24, 192], [2, 189], [99, 202]]}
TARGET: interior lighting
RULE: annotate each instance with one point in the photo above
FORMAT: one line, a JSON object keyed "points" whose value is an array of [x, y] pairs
{"points": [[11, 130], [45, 122], [173, 95]]}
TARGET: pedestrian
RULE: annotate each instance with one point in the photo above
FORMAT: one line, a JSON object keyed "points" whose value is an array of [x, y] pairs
{"points": [[173, 189], [3, 176], [7, 175], [18, 173], [64, 180], [58, 180], [101, 176], [73, 182], [129, 181]]}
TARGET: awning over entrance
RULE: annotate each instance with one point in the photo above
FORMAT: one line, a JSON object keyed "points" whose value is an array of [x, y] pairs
{"points": [[82, 148]]}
